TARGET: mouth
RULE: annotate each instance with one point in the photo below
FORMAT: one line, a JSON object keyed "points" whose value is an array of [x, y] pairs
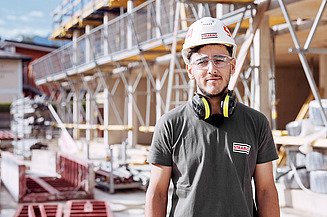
{"points": [[212, 79]]}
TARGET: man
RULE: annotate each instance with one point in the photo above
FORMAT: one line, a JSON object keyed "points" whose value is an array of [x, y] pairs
{"points": [[212, 147]]}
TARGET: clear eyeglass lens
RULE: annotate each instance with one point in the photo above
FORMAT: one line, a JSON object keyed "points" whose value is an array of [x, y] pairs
{"points": [[218, 61]]}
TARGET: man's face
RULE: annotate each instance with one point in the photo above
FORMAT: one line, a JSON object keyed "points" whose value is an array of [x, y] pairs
{"points": [[211, 67]]}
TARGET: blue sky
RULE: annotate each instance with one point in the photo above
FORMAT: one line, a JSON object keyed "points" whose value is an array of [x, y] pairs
{"points": [[26, 17]]}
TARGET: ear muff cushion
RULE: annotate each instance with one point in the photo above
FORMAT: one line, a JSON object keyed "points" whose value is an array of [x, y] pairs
{"points": [[206, 108], [226, 106]]}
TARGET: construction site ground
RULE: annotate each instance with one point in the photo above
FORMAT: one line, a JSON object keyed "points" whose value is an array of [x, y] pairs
{"points": [[130, 203]]}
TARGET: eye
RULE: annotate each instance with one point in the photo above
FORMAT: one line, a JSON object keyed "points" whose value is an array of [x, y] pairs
{"points": [[202, 62], [219, 60]]}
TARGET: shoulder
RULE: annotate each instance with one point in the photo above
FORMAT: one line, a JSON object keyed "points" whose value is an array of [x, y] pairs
{"points": [[247, 117], [247, 112]]}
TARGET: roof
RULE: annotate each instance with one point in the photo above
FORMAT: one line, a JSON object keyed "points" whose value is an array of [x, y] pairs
{"points": [[6, 135], [28, 45], [11, 55]]}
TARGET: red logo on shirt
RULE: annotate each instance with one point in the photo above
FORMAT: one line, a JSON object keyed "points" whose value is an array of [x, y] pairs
{"points": [[241, 148]]}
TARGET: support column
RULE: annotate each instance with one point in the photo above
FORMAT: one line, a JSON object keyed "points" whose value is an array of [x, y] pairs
{"points": [[76, 114], [158, 96], [106, 103], [61, 106], [255, 78], [265, 66], [158, 17], [88, 48], [219, 10], [130, 114], [68, 109], [201, 10], [89, 116], [106, 34], [129, 27], [75, 36], [323, 74]]}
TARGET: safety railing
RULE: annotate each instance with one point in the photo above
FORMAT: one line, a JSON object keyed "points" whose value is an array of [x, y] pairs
{"points": [[144, 23]]}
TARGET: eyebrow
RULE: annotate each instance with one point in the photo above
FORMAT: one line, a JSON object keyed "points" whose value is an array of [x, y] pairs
{"points": [[217, 55]]}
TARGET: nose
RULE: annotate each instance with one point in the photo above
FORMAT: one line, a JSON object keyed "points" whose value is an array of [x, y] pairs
{"points": [[211, 67]]}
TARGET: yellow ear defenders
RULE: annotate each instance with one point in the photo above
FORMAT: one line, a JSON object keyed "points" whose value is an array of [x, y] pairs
{"points": [[202, 108]]}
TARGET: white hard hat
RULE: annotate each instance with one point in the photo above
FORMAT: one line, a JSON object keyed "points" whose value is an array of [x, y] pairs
{"points": [[207, 30]]}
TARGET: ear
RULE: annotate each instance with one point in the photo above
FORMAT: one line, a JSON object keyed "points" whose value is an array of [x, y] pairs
{"points": [[232, 66], [189, 72]]}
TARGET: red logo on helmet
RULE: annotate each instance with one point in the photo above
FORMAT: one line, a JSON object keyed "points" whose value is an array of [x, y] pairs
{"points": [[227, 31], [209, 35], [189, 33]]}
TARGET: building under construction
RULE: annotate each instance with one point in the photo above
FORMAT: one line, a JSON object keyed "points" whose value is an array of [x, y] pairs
{"points": [[122, 70]]}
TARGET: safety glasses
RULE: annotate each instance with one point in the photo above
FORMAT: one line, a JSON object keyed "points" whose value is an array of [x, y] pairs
{"points": [[219, 61]]}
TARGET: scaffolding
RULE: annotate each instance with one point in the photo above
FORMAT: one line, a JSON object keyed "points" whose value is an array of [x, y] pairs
{"points": [[119, 77]]}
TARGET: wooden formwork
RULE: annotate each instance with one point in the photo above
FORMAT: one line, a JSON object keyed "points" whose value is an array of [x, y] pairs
{"points": [[75, 180]]}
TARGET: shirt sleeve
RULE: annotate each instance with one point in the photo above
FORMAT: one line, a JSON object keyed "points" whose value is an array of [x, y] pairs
{"points": [[267, 149], [161, 148]]}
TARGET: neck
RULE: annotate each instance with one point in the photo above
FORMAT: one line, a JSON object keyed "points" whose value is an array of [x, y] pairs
{"points": [[215, 104]]}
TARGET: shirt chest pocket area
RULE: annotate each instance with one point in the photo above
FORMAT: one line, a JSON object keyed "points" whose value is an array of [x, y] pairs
{"points": [[241, 155]]}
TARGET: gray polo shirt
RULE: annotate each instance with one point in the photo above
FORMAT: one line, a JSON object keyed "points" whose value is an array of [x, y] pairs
{"points": [[212, 161]]}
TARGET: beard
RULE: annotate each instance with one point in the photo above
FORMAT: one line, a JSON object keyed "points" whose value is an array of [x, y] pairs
{"points": [[210, 95]]}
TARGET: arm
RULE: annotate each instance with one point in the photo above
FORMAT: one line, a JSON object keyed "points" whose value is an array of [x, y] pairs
{"points": [[266, 193], [157, 193]]}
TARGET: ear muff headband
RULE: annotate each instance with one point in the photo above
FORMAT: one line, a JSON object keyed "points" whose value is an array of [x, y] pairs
{"points": [[225, 106], [206, 108]]}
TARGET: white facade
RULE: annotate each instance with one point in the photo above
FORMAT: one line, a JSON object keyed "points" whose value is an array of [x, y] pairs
{"points": [[11, 81]]}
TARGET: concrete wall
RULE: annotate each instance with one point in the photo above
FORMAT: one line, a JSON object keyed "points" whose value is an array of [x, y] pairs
{"points": [[10, 80]]}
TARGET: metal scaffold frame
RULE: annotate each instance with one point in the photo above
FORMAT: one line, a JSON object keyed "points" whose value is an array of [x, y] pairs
{"points": [[173, 79], [302, 57], [135, 57]]}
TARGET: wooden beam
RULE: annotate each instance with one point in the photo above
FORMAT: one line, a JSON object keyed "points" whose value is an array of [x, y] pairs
{"points": [[298, 141], [323, 75], [265, 66], [305, 107], [97, 126], [145, 129], [306, 9], [224, 1]]}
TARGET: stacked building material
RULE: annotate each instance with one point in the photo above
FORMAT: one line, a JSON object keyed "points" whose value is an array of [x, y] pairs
{"points": [[316, 164], [32, 119]]}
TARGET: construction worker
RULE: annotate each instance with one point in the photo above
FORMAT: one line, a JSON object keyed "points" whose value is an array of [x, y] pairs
{"points": [[212, 147]]}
